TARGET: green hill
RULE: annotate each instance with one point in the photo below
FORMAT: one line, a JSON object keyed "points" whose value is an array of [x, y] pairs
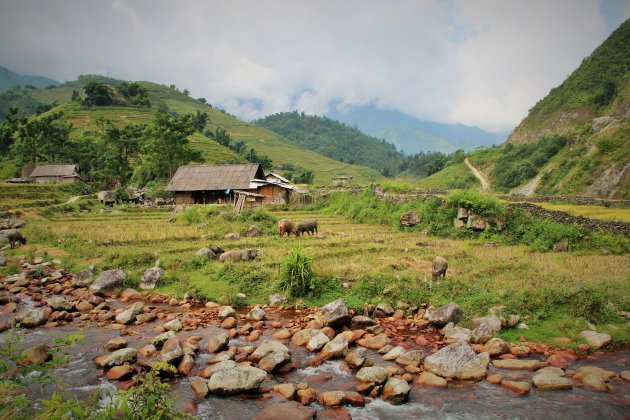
{"points": [[9, 79], [265, 142], [335, 140]]}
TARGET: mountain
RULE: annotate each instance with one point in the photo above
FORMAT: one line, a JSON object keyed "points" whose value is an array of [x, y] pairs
{"points": [[9, 79], [412, 135], [335, 140], [283, 152], [589, 110]]}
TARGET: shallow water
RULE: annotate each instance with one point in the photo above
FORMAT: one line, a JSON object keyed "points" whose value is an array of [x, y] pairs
{"points": [[461, 400]]}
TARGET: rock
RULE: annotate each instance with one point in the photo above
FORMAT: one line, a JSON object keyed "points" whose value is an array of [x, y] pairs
{"points": [[374, 374], [411, 358], [200, 387], [286, 390], [551, 381], [385, 308], [130, 294], [83, 278], [455, 334], [228, 323], [354, 399], [151, 277], [302, 337], [129, 314], [317, 342], [335, 314], [594, 339], [457, 361], [625, 375], [306, 396], [256, 314], [396, 391], [3, 260], [450, 312], [409, 219], [58, 303], [494, 379], [253, 231], [32, 318], [604, 375], [375, 342], [231, 236], [84, 306], [277, 299], [496, 347], [289, 410], [159, 340], [266, 347], [356, 358], [229, 378], [336, 348], [273, 360], [218, 342], [394, 353], [36, 355], [116, 344], [513, 320], [361, 321], [118, 373], [147, 351], [561, 246], [226, 311], [206, 253], [172, 350], [117, 358], [172, 325], [485, 328], [602, 122], [521, 364], [550, 370], [428, 378], [186, 365], [107, 280], [520, 387], [332, 398]]}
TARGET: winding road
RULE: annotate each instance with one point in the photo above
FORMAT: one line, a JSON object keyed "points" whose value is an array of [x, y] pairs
{"points": [[485, 181]]}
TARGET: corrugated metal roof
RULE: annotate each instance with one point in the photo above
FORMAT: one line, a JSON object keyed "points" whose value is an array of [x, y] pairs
{"points": [[55, 170], [208, 178]]}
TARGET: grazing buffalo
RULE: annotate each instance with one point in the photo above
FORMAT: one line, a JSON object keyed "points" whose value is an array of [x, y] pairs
{"points": [[15, 236], [440, 265], [107, 197], [286, 226], [308, 225], [240, 255]]}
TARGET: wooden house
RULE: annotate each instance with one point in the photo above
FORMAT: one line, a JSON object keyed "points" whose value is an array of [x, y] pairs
{"points": [[55, 173]]}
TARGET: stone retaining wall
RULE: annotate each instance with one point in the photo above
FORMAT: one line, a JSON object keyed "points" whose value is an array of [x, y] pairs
{"points": [[579, 201]]}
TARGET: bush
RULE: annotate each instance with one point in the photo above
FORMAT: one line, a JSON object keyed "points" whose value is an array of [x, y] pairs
{"points": [[476, 202], [296, 274]]}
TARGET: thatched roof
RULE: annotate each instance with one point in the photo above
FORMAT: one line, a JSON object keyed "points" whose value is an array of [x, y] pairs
{"points": [[64, 170], [209, 178]]}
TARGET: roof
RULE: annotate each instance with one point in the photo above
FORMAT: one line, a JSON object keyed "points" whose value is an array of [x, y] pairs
{"points": [[220, 177], [68, 170], [248, 194], [255, 183], [281, 178]]}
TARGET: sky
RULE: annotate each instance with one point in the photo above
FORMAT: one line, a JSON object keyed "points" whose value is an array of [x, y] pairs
{"points": [[475, 62]]}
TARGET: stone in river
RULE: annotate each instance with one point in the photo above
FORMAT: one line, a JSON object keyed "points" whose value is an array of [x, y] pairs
{"points": [[551, 381], [520, 387], [427, 378], [520, 364], [286, 410], [457, 361], [375, 342], [374, 374], [396, 391], [200, 387], [229, 378]]}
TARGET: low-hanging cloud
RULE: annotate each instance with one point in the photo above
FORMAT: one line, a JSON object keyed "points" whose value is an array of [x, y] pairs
{"points": [[483, 63]]}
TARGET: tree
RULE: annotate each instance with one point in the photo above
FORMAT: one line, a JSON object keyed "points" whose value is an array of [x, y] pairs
{"points": [[8, 128], [134, 93], [200, 119], [75, 96], [167, 145], [43, 139], [119, 146], [222, 137], [98, 94]]}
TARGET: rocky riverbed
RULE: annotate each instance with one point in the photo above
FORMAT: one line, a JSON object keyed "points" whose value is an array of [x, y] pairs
{"points": [[285, 362]]}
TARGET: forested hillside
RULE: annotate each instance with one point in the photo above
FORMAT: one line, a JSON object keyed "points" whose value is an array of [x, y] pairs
{"points": [[9, 79]]}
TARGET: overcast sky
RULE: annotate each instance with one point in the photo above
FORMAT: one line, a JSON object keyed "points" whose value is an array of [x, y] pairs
{"points": [[475, 62]]}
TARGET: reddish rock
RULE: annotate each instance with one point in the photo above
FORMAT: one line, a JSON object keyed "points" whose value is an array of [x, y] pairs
{"points": [[254, 335], [334, 413], [494, 379], [286, 390], [286, 410], [282, 334], [518, 387], [332, 398], [306, 396], [228, 323], [354, 399], [118, 373], [200, 387]]}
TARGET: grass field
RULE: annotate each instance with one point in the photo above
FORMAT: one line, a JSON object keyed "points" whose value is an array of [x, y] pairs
{"points": [[594, 212], [554, 293]]}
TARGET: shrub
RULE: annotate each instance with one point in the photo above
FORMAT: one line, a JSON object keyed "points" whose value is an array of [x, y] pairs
{"points": [[476, 202], [296, 274]]}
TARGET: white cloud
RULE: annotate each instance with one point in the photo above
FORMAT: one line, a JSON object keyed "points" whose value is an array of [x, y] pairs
{"points": [[481, 62]]}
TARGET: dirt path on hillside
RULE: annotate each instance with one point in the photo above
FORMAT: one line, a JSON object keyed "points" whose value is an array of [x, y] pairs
{"points": [[485, 181], [529, 188]]}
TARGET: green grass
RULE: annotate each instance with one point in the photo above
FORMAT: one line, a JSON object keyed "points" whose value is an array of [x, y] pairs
{"points": [[21, 196], [594, 212], [449, 176]]}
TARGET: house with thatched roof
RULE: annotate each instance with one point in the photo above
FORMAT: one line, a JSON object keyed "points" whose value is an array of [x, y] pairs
{"points": [[202, 184], [56, 173]]}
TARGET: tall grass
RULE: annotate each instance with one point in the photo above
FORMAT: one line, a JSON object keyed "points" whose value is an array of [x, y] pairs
{"points": [[296, 274]]}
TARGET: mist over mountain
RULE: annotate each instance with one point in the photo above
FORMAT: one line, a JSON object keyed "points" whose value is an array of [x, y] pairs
{"points": [[9, 79]]}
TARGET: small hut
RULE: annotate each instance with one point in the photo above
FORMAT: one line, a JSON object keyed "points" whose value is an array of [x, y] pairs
{"points": [[56, 173]]}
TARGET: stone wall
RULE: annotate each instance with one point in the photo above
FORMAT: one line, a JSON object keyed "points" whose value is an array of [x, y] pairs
{"points": [[613, 226], [578, 201]]}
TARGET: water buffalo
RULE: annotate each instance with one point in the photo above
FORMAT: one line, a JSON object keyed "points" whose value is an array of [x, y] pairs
{"points": [[240, 255], [107, 197], [308, 225], [15, 236], [286, 226], [440, 265]]}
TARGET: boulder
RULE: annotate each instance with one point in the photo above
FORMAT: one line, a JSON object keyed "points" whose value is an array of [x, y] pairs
{"points": [[172, 350], [411, 358], [396, 391], [409, 219], [317, 342], [594, 383], [361, 321], [595, 339], [551, 381], [332, 398], [518, 364], [428, 378], [226, 311], [83, 278], [172, 325], [59, 303], [450, 312], [118, 373], [159, 340], [356, 358], [457, 361], [273, 360], [286, 410], [520, 387], [394, 353], [232, 236], [186, 365], [3, 260], [266, 347], [32, 318], [253, 231], [336, 348], [375, 342], [117, 358], [256, 314], [36, 355], [485, 328], [218, 342], [605, 375], [277, 299], [302, 337], [496, 347], [107, 280], [229, 378], [200, 387], [454, 333], [116, 343], [335, 314], [373, 374], [151, 277], [130, 313], [287, 390], [130, 294]]}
